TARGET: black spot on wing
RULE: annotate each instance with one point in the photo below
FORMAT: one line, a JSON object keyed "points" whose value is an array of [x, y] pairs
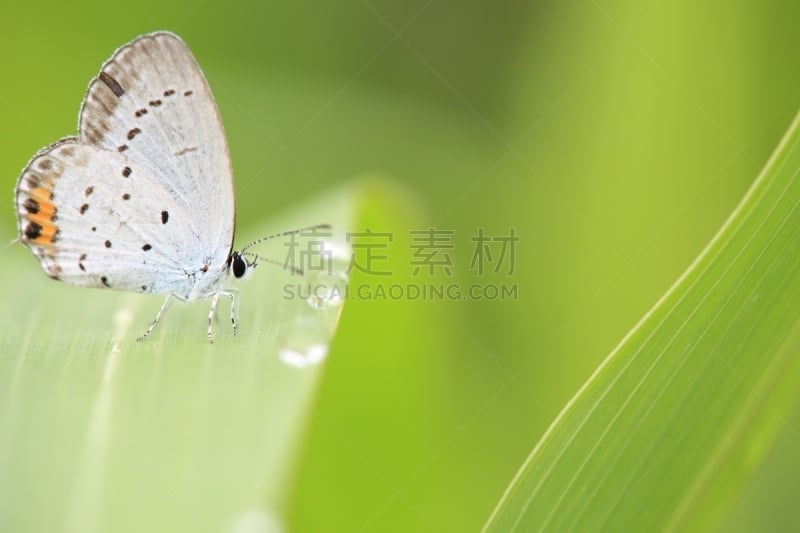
{"points": [[112, 84], [133, 133], [108, 244], [146, 247], [83, 208], [126, 172], [89, 190], [164, 217], [33, 230], [104, 281], [31, 206]]}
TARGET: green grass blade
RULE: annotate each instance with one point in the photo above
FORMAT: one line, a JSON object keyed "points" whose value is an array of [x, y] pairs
{"points": [[669, 428], [99, 432]]}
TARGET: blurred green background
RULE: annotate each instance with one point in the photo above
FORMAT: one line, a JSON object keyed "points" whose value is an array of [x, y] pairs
{"points": [[614, 136]]}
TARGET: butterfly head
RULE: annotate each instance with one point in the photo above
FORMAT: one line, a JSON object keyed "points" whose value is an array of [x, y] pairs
{"points": [[238, 266]]}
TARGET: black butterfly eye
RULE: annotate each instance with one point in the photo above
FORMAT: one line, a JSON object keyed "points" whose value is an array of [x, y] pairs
{"points": [[239, 265]]}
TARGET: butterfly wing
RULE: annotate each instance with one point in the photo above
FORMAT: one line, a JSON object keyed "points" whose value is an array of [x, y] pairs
{"points": [[142, 199], [151, 104], [97, 219]]}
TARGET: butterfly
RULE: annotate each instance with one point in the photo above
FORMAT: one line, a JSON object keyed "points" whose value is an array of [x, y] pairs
{"points": [[142, 199]]}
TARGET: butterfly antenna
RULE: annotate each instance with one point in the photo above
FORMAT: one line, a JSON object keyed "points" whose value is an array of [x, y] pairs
{"points": [[284, 234], [256, 257]]}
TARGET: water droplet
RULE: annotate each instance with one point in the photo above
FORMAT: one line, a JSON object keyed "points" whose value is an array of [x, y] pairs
{"points": [[311, 319], [315, 354], [307, 336], [337, 251], [326, 291]]}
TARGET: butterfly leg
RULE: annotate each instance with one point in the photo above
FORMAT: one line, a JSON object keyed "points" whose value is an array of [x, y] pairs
{"points": [[212, 313], [158, 316], [232, 294]]}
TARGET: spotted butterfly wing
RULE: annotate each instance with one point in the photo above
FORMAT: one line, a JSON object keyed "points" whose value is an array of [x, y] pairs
{"points": [[152, 103], [142, 199]]}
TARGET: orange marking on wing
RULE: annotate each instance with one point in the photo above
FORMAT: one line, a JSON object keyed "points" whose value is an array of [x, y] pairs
{"points": [[42, 195], [41, 218], [46, 211], [48, 233]]}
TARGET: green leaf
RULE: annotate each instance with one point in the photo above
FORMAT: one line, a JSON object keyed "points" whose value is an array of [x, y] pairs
{"points": [[99, 432], [668, 430]]}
